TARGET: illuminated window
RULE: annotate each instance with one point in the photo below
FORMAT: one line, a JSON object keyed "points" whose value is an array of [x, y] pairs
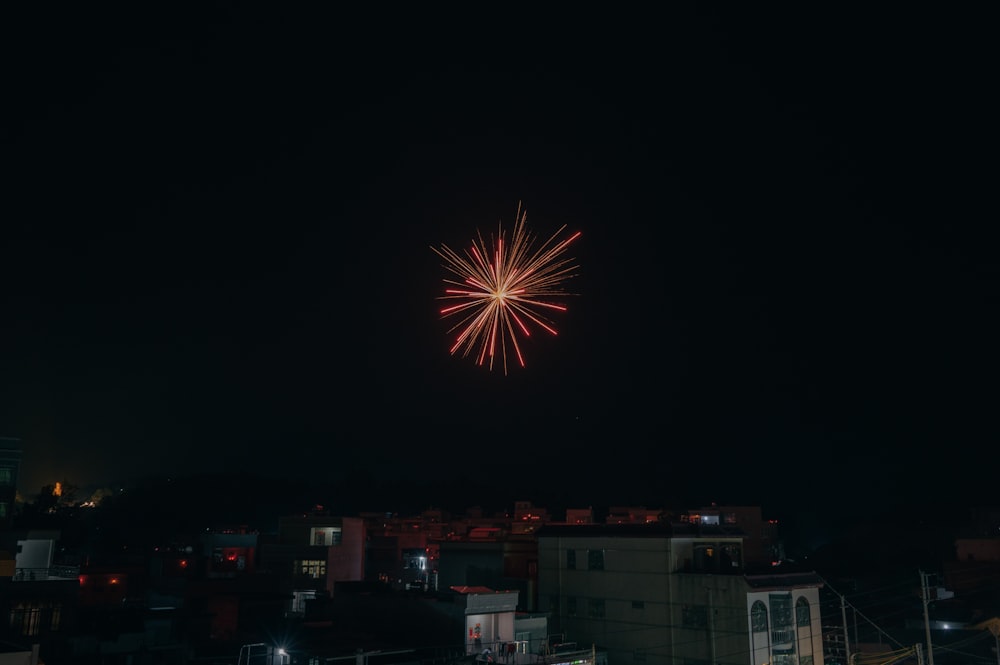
{"points": [[6, 476], [314, 568], [328, 535]]}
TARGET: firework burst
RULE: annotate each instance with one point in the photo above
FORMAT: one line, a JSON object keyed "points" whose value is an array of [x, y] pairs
{"points": [[502, 292]]}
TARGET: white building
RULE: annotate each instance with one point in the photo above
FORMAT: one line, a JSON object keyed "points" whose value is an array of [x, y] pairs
{"points": [[667, 594]]}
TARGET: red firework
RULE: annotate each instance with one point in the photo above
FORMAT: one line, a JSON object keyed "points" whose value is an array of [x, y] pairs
{"points": [[501, 292]]}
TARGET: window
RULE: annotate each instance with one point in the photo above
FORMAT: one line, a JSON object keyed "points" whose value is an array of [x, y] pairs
{"points": [[571, 606], [782, 618], [6, 476], [731, 557], [314, 568], [638, 605], [25, 618], [570, 559], [704, 558], [694, 616], [328, 535], [758, 617], [595, 608], [595, 559], [3, 510], [802, 619]]}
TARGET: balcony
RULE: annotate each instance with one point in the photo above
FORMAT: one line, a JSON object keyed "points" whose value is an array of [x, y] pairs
{"points": [[781, 638], [42, 574]]}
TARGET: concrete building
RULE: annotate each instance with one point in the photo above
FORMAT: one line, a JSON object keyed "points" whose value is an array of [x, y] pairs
{"points": [[674, 593], [312, 553], [761, 545], [38, 599]]}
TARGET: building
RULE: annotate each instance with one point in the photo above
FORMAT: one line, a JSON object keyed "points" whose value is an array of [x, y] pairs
{"points": [[496, 633], [10, 466], [38, 599], [761, 546], [312, 554], [674, 593]]}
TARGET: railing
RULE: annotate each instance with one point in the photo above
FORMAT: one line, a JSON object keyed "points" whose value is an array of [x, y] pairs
{"points": [[784, 636], [50, 573]]}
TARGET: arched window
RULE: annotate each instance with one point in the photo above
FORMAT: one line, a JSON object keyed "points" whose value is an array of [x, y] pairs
{"points": [[758, 617], [802, 617], [804, 631]]}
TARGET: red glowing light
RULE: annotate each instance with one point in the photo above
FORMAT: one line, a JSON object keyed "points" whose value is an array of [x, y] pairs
{"points": [[502, 290]]}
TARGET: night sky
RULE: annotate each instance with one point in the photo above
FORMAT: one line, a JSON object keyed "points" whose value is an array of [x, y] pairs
{"points": [[217, 228]]}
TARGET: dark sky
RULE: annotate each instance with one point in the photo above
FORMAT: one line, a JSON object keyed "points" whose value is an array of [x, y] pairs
{"points": [[217, 227]]}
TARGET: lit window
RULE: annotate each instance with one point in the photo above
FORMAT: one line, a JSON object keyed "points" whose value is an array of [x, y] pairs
{"points": [[314, 568]]}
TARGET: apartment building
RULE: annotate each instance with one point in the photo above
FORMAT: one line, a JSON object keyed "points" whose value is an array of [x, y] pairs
{"points": [[662, 594]]}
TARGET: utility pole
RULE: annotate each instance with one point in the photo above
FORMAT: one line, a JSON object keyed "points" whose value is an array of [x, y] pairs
{"points": [[847, 643], [925, 593]]}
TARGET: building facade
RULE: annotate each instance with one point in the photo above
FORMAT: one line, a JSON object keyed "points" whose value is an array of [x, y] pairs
{"points": [[312, 554], [668, 594]]}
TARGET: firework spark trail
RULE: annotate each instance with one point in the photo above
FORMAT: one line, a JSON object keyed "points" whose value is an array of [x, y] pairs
{"points": [[501, 291]]}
